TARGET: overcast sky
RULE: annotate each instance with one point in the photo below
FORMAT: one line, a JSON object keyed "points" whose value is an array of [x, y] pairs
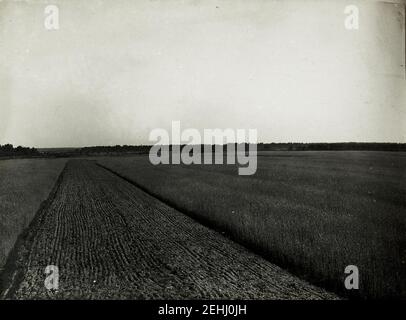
{"points": [[115, 70]]}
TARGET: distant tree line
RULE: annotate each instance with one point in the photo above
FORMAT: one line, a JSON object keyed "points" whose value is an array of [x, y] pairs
{"points": [[114, 149], [366, 146], [8, 150], [290, 146]]}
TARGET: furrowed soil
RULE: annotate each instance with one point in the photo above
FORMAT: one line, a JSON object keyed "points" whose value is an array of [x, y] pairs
{"points": [[111, 240]]}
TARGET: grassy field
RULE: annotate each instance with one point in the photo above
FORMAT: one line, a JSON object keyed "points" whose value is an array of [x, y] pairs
{"points": [[313, 213], [24, 184]]}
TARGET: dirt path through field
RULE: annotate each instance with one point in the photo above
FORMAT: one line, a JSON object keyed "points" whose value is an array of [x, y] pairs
{"points": [[110, 239]]}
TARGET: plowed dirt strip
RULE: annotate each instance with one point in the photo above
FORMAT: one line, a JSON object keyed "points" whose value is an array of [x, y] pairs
{"points": [[112, 240]]}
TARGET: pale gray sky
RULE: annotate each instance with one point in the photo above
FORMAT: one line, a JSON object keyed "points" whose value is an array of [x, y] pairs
{"points": [[117, 69]]}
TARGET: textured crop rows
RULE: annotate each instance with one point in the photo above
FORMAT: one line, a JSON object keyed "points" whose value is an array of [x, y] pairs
{"points": [[109, 239], [312, 213]]}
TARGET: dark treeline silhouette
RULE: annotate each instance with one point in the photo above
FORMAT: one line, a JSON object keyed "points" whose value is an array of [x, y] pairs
{"points": [[8, 150], [114, 149], [291, 146], [339, 146], [361, 146]]}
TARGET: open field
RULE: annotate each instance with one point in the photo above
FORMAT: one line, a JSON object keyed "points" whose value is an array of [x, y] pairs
{"points": [[24, 184], [112, 240], [310, 212]]}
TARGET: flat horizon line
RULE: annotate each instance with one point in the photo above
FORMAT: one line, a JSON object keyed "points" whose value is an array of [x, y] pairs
{"points": [[145, 145]]}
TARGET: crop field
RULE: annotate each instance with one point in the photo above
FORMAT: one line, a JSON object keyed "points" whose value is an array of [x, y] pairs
{"points": [[110, 239], [119, 227], [312, 213], [24, 184]]}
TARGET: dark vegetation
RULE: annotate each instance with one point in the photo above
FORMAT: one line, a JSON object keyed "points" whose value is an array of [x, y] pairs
{"points": [[114, 149], [8, 150], [359, 146], [291, 146]]}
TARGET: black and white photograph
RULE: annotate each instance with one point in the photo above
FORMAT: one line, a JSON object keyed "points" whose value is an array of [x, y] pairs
{"points": [[202, 155]]}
